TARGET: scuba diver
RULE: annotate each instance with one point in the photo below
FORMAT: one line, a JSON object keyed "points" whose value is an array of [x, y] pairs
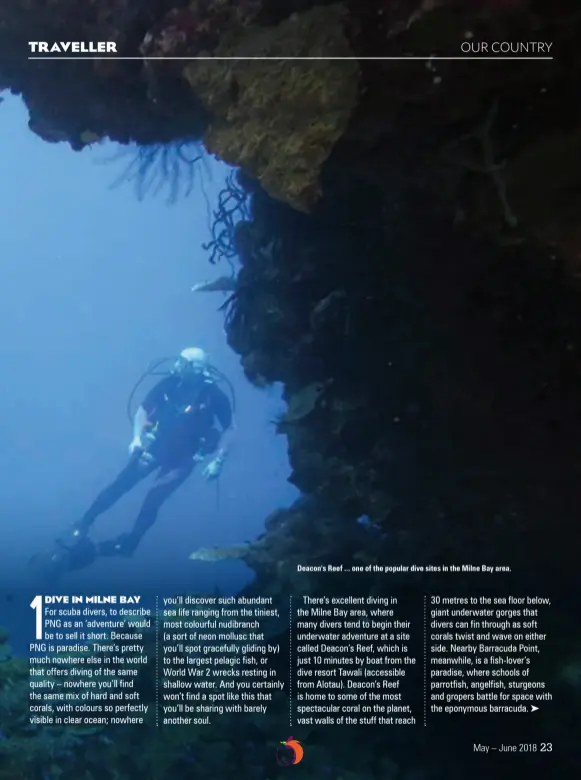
{"points": [[173, 430]]}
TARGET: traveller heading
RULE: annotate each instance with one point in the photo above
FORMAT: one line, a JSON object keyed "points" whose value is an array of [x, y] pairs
{"points": [[72, 47]]}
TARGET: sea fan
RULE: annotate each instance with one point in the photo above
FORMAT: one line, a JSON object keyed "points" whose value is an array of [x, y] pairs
{"points": [[158, 167]]}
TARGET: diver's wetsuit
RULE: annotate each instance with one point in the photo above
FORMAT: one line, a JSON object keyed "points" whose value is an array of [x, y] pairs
{"points": [[181, 414]]}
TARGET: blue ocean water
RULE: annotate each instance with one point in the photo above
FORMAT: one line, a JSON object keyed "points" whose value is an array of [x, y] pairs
{"points": [[95, 285]]}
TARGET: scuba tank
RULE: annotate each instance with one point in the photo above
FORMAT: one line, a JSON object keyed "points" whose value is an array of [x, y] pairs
{"points": [[154, 369], [208, 443]]}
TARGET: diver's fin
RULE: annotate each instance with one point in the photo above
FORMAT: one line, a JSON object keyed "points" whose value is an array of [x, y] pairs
{"points": [[49, 566], [53, 563]]}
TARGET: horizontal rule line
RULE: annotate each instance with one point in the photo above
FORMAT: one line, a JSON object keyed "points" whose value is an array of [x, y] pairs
{"points": [[286, 59]]}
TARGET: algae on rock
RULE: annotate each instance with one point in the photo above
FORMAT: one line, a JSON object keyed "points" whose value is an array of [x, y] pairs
{"points": [[279, 119]]}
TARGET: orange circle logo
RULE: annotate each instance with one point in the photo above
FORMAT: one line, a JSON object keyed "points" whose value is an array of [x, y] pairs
{"points": [[291, 753]]}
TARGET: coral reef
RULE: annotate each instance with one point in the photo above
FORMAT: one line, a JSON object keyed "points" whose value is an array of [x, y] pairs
{"points": [[433, 388], [280, 119], [397, 371], [197, 28], [81, 101]]}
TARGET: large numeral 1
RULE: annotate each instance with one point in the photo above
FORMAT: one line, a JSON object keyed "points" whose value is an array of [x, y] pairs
{"points": [[36, 604]]}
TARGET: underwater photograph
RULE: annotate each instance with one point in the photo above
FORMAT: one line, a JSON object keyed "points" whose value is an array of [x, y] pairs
{"points": [[290, 341]]}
